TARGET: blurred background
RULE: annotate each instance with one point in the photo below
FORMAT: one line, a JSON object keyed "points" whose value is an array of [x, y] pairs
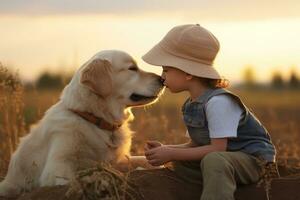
{"points": [[42, 43]]}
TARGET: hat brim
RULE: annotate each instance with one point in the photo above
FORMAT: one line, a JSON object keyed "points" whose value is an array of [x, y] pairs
{"points": [[159, 57]]}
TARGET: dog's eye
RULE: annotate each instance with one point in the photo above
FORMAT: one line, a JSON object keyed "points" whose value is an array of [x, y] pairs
{"points": [[133, 68]]}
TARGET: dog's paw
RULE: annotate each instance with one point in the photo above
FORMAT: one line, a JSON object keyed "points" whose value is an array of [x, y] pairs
{"points": [[51, 179], [8, 191], [61, 181]]}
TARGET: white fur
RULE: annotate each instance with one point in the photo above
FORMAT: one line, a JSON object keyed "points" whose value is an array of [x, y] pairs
{"points": [[62, 142]]}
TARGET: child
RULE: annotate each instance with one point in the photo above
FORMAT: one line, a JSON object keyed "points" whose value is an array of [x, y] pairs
{"points": [[226, 140]]}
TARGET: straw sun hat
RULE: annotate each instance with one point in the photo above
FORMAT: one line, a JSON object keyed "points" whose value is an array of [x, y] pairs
{"points": [[190, 48]]}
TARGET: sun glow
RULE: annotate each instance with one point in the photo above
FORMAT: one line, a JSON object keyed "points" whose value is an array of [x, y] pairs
{"points": [[63, 42]]}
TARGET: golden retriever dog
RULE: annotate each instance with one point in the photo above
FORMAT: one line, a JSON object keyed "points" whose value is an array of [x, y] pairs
{"points": [[86, 126]]}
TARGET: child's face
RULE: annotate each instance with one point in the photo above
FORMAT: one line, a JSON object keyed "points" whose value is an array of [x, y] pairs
{"points": [[175, 79]]}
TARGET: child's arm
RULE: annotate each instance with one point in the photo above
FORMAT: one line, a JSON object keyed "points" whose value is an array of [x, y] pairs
{"points": [[185, 145], [154, 144], [163, 154]]}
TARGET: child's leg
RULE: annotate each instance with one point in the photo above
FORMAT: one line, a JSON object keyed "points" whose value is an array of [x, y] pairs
{"points": [[188, 171], [221, 172]]}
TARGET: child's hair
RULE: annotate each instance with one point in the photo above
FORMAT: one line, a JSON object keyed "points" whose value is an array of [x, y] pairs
{"points": [[214, 83]]}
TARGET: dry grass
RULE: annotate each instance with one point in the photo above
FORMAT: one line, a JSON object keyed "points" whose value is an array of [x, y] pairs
{"points": [[11, 115], [101, 182], [269, 171]]}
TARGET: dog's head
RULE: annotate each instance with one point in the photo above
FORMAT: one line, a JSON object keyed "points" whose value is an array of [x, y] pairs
{"points": [[115, 77], [115, 74]]}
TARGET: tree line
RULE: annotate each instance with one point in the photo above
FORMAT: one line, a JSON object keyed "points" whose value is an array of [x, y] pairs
{"points": [[277, 80], [50, 81]]}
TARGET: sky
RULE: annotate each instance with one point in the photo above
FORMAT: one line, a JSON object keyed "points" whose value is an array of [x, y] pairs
{"points": [[59, 36]]}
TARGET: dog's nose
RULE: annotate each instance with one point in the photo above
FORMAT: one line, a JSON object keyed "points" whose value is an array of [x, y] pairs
{"points": [[161, 80]]}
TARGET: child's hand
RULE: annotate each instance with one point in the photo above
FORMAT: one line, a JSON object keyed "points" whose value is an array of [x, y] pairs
{"points": [[152, 144], [159, 155]]}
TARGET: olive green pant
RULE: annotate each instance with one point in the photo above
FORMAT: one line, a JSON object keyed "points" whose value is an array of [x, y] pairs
{"points": [[219, 173]]}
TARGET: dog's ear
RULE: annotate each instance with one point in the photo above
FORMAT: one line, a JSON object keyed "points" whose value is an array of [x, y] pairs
{"points": [[97, 76]]}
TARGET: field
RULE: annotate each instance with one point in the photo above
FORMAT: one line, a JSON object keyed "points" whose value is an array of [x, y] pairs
{"points": [[279, 111]]}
